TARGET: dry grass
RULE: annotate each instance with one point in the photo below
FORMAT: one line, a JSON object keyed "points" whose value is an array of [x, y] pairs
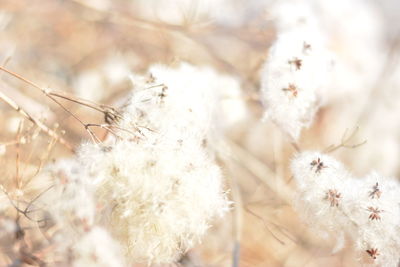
{"points": [[48, 46]]}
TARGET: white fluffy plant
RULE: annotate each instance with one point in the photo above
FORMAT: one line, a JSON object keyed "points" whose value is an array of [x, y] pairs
{"points": [[70, 209], [335, 204], [153, 184], [156, 183], [96, 248], [297, 69]]}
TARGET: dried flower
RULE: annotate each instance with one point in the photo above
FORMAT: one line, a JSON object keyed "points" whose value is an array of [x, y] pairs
{"points": [[296, 62], [373, 252], [375, 193], [374, 213], [292, 89], [319, 165], [333, 197]]}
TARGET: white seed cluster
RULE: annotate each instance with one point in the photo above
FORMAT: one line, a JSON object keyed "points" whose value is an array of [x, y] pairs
{"points": [[337, 204]]}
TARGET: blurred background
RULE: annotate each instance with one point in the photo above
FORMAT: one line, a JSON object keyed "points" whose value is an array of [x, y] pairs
{"points": [[89, 48]]}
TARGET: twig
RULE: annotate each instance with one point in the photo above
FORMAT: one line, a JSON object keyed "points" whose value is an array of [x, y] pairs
{"points": [[110, 113], [265, 225], [37, 122], [17, 157], [26, 211], [344, 142], [295, 146], [236, 254], [50, 94], [42, 161], [174, 30], [281, 228], [237, 218]]}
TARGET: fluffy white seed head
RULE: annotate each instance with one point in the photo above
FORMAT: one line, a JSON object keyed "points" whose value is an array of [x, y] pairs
{"points": [[152, 184], [69, 200], [159, 199], [96, 248], [177, 104], [292, 80], [69, 205], [158, 187], [184, 103], [377, 207], [322, 187], [336, 204]]}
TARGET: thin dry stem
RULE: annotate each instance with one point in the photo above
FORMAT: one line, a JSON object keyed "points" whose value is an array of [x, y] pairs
{"points": [[17, 157], [237, 219], [108, 111], [42, 161], [265, 225], [37, 122], [27, 210], [344, 142], [260, 170]]}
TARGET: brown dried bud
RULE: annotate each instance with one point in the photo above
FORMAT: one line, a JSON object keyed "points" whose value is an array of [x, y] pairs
{"points": [[333, 197], [292, 89], [374, 213], [296, 62], [319, 164], [373, 252], [375, 193]]}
